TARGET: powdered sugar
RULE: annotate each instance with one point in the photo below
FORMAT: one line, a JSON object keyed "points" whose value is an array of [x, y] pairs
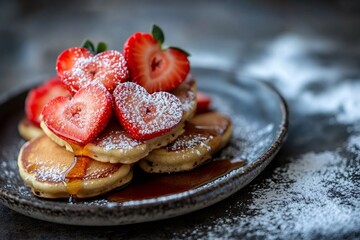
{"points": [[107, 68], [81, 118], [353, 145], [285, 61], [314, 193], [143, 114], [188, 102], [342, 100], [289, 65], [186, 94], [117, 139], [309, 195], [190, 140], [45, 172]]}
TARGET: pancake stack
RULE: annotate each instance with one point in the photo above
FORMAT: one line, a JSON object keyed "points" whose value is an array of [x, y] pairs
{"points": [[58, 163]]}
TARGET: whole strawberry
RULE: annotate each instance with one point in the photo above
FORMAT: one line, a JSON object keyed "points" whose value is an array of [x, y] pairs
{"points": [[152, 66], [78, 67]]}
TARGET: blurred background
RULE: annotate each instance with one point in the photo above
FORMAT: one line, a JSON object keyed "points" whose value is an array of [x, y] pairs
{"points": [[221, 34]]}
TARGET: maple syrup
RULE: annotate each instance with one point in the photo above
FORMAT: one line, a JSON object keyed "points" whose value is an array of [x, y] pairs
{"points": [[74, 175], [145, 185]]}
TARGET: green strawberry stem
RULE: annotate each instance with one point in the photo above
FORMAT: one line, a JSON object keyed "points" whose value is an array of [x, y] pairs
{"points": [[89, 46], [101, 47], [158, 34]]}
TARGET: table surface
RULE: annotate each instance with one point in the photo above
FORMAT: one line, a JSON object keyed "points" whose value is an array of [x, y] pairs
{"points": [[310, 52]]}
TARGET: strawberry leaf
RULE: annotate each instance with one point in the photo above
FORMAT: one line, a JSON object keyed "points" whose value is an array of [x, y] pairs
{"points": [[158, 34], [181, 50], [89, 46], [101, 47]]}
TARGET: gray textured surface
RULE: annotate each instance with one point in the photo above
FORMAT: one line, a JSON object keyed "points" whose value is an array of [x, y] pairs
{"points": [[309, 51]]}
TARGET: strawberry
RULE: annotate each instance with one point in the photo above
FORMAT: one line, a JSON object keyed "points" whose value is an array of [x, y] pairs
{"points": [[203, 102], [153, 67], [39, 96], [81, 118], [143, 115], [77, 67]]}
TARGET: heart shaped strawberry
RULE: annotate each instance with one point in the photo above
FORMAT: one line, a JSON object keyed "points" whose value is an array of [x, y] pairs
{"points": [[81, 118], [145, 115], [78, 67], [153, 67]]}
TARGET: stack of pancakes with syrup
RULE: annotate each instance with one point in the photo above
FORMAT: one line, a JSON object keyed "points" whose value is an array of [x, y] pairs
{"points": [[54, 166], [48, 165]]}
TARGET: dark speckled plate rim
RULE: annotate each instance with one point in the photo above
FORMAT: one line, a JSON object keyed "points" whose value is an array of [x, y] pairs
{"points": [[156, 208]]}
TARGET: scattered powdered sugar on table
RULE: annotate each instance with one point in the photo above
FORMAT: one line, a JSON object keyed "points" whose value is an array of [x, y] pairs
{"points": [[288, 64], [353, 145], [343, 100], [314, 194], [309, 195]]}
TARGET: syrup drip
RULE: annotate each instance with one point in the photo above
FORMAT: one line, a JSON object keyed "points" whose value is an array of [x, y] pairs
{"points": [[75, 174], [145, 185]]}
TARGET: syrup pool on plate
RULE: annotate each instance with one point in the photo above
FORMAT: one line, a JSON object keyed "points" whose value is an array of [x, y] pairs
{"points": [[145, 185]]}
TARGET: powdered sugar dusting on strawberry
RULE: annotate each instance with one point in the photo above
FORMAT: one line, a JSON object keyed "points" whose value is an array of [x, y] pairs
{"points": [[143, 115], [83, 117], [77, 68], [80, 71]]}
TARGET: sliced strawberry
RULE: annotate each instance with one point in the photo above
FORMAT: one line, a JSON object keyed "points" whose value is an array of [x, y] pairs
{"points": [[145, 115], [78, 67], [203, 102], [152, 67], [39, 96], [81, 118]]}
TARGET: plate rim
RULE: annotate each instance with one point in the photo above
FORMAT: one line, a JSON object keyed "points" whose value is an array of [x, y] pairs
{"points": [[169, 200]]}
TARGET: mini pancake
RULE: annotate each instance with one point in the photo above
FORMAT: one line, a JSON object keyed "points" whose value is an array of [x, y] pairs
{"points": [[115, 145], [45, 167], [204, 135], [28, 130], [186, 92]]}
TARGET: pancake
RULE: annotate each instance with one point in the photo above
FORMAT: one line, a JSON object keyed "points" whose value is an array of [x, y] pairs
{"points": [[204, 135], [28, 130], [186, 93], [217, 123], [53, 172], [115, 145]]}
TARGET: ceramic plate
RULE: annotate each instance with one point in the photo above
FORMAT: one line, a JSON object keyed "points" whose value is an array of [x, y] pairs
{"points": [[260, 118]]}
